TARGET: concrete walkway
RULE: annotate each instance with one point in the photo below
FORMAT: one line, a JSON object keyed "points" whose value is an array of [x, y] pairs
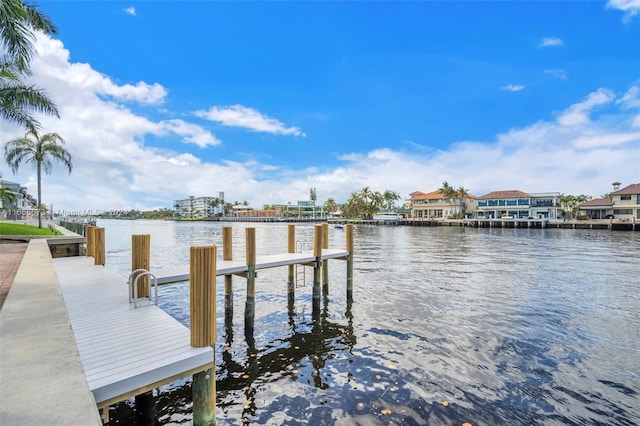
{"points": [[42, 381]]}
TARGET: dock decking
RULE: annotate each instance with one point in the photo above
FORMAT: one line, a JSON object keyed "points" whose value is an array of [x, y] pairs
{"points": [[124, 351], [168, 275]]}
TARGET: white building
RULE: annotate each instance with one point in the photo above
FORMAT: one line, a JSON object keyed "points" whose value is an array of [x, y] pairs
{"points": [[21, 199], [199, 207], [519, 205], [626, 202]]}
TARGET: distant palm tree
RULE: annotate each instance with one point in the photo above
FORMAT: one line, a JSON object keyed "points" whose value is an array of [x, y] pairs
{"points": [[7, 194], [390, 198], [448, 192], [330, 206], [461, 194], [40, 151]]}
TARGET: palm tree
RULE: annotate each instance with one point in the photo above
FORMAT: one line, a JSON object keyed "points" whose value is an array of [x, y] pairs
{"points": [[18, 101], [40, 151], [6, 194], [330, 206], [18, 21], [448, 192], [390, 198], [461, 194]]}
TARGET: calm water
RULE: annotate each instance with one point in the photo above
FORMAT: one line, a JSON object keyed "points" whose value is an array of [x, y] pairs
{"points": [[508, 326]]}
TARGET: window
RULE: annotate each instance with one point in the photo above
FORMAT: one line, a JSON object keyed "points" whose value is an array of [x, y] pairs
{"points": [[511, 202], [622, 211], [482, 203], [625, 197], [523, 201]]}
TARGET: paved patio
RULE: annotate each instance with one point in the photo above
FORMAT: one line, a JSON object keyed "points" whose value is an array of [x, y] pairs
{"points": [[10, 257]]}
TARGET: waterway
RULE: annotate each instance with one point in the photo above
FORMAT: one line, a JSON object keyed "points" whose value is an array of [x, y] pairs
{"points": [[448, 325]]}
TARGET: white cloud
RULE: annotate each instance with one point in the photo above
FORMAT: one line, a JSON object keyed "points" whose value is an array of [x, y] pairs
{"points": [[605, 140], [130, 11], [114, 168], [578, 114], [513, 87], [630, 8], [249, 118], [192, 133], [551, 42], [557, 73], [631, 99], [62, 73]]}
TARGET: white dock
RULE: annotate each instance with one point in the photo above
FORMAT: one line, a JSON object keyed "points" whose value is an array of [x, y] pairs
{"points": [[124, 351], [167, 275]]}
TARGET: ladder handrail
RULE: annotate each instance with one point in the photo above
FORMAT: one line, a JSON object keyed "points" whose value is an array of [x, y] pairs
{"points": [[153, 283], [301, 245], [130, 281]]}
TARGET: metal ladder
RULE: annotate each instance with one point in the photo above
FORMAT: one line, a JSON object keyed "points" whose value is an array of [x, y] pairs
{"points": [[301, 270], [133, 287]]}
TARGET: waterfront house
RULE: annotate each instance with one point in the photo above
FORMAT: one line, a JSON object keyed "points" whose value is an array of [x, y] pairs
{"points": [[517, 204], [598, 208], [626, 202], [434, 205]]}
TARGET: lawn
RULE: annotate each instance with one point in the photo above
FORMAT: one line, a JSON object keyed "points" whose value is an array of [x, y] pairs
{"points": [[19, 229]]}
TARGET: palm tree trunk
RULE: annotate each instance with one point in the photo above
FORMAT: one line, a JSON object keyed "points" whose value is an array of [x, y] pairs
{"points": [[39, 194]]}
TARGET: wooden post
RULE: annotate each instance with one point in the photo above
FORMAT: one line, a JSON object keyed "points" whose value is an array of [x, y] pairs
{"points": [[349, 248], [291, 248], [90, 238], [317, 253], [325, 263], [99, 255], [250, 305], [227, 254], [145, 409], [202, 297], [140, 255]]}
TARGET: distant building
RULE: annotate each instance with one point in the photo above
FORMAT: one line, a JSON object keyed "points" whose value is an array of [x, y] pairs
{"points": [[519, 205], [241, 210], [199, 207], [307, 208], [626, 202], [22, 200], [434, 205]]}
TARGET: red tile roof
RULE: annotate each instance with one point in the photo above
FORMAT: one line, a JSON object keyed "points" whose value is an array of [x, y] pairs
{"points": [[433, 195], [598, 202], [632, 189], [418, 195], [513, 193]]}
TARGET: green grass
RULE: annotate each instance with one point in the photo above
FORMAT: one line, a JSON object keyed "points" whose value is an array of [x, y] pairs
{"points": [[19, 229]]}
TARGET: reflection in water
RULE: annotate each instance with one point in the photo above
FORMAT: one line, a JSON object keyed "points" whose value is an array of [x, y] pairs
{"points": [[506, 326]]}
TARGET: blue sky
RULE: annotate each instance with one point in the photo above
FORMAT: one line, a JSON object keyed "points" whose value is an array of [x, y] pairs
{"points": [[264, 100]]}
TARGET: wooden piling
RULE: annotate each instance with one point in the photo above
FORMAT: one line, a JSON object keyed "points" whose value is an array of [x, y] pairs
{"points": [[250, 305], [90, 237], [291, 248], [99, 255], [325, 263], [349, 248], [203, 391], [317, 253], [202, 296], [227, 254], [140, 259]]}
